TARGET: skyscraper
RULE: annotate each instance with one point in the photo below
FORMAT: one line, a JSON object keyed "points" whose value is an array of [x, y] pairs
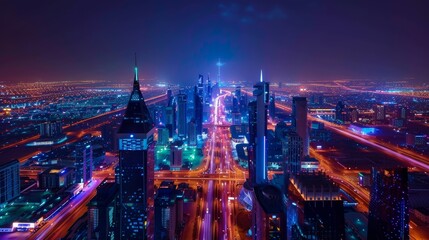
{"points": [[83, 162], [379, 112], [261, 92], [320, 208], [388, 208], [182, 100], [272, 106], [252, 142], [135, 170], [198, 112], [102, 211], [299, 113], [269, 213], [9, 181], [292, 148]]}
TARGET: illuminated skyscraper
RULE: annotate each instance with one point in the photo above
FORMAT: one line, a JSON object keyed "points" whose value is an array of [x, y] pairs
{"points": [[135, 170], [252, 142], [299, 113], [198, 113], [388, 208], [9, 181], [83, 162], [182, 100], [261, 92], [269, 213], [272, 106], [292, 148]]}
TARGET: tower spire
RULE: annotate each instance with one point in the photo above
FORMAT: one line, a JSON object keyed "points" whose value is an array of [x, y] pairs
{"points": [[261, 78], [136, 84], [135, 68]]}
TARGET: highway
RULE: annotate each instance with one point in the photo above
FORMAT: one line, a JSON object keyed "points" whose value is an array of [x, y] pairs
{"points": [[408, 157]]}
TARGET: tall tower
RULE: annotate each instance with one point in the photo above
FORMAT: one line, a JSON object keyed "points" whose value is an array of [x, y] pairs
{"points": [[136, 166], [198, 112], [182, 100], [261, 92], [299, 113]]}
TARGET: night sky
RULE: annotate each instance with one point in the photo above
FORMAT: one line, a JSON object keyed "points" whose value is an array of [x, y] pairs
{"points": [[295, 40]]}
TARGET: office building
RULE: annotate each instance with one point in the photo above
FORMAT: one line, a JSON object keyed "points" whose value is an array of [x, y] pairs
{"points": [[379, 113], [103, 211], [299, 113], [135, 172], [51, 129], [9, 181], [261, 92], [269, 213], [182, 122], [252, 142], [56, 178], [192, 133], [83, 163], [389, 205], [272, 106], [319, 207], [292, 149], [170, 119], [167, 211], [169, 96], [198, 113], [176, 155], [163, 136]]}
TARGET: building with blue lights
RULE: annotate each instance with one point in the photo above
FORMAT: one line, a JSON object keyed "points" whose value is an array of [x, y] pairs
{"points": [[9, 181], [389, 205], [261, 92], [136, 167]]}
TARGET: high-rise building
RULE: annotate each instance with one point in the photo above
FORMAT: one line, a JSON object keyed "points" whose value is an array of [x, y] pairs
{"points": [[198, 113], [200, 86], [103, 211], [83, 162], [320, 207], [389, 205], [299, 113], [51, 129], [182, 122], [9, 181], [261, 92], [135, 172], [176, 155], [252, 142], [168, 213], [340, 112], [292, 149], [379, 112], [272, 106], [56, 177], [192, 133], [170, 120], [269, 208], [163, 136], [169, 96], [208, 95]]}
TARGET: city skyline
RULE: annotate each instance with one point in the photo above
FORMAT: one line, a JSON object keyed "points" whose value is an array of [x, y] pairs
{"points": [[292, 40], [175, 152]]}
